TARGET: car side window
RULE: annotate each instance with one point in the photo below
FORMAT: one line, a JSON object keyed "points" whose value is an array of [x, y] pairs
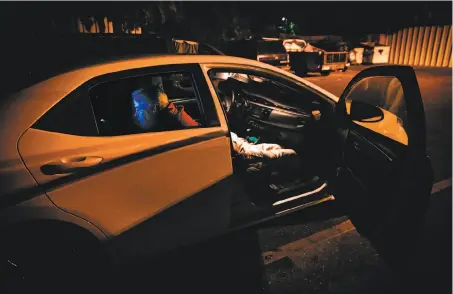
{"points": [[146, 103], [73, 115]]}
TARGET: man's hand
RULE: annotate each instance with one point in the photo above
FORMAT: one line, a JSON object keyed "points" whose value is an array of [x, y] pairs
{"points": [[162, 100]]}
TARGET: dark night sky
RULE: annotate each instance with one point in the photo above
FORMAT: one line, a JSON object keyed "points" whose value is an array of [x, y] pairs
{"points": [[325, 17], [322, 17]]}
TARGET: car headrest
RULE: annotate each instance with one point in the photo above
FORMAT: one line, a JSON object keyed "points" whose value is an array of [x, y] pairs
{"points": [[224, 86], [230, 84]]}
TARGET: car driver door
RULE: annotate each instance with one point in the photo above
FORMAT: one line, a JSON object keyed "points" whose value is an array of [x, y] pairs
{"points": [[384, 177]]}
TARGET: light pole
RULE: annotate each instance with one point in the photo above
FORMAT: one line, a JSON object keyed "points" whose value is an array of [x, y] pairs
{"points": [[285, 20], [284, 25]]}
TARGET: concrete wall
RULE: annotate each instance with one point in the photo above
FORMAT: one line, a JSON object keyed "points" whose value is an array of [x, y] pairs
{"points": [[420, 46]]}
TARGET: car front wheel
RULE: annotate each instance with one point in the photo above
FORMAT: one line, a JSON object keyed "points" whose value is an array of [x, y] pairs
{"points": [[300, 73]]}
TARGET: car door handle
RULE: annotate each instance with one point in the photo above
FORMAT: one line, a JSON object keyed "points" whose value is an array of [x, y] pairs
{"points": [[70, 164]]}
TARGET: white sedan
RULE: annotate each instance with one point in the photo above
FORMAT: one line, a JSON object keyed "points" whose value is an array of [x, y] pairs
{"points": [[82, 188]]}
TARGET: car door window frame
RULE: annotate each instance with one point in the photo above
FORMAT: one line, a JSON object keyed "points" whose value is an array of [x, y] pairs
{"points": [[47, 121], [207, 108]]}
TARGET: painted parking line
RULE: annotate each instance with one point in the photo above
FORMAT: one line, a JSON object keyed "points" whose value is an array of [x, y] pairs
{"points": [[325, 235]]}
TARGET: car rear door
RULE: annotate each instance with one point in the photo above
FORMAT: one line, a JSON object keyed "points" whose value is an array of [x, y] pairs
{"points": [[384, 178], [147, 191]]}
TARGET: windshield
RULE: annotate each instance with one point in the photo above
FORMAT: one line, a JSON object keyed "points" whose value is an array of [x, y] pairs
{"points": [[266, 90], [271, 47]]}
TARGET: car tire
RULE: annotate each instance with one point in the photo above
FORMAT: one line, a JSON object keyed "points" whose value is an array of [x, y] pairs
{"points": [[301, 73], [53, 263], [325, 73], [344, 69]]}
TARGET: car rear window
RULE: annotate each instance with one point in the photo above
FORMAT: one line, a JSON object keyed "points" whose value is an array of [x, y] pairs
{"points": [[271, 47]]}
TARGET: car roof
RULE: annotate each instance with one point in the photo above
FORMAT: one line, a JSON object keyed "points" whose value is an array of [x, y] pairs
{"points": [[66, 82], [21, 110]]}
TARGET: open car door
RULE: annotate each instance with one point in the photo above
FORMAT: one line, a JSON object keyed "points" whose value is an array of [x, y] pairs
{"points": [[384, 177]]}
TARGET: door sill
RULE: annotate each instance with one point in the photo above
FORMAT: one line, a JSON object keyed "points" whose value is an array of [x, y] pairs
{"points": [[280, 214], [258, 215], [293, 198]]}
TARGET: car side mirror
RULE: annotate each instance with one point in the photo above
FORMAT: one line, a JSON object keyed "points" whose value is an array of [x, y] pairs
{"points": [[316, 114], [364, 112]]}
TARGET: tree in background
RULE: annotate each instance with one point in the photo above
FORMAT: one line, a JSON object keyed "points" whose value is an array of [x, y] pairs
{"points": [[214, 22], [197, 20], [54, 17], [151, 17]]}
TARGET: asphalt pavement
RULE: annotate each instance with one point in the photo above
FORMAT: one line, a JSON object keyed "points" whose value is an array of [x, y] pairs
{"points": [[325, 255]]}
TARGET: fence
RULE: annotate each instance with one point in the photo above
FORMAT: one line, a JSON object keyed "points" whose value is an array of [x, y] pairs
{"points": [[420, 46]]}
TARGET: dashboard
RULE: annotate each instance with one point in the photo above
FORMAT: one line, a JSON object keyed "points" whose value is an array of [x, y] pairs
{"points": [[263, 111], [272, 116]]}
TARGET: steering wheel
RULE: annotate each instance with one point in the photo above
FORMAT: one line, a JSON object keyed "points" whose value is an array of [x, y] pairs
{"points": [[235, 104], [239, 104]]}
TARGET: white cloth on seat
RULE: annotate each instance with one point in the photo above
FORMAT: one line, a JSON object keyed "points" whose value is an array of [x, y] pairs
{"points": [[263, 150]]}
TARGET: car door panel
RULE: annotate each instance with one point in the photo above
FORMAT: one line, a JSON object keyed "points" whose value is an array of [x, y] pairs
{"points": [[390, 149], [192, 220], [122, 182], [383, 183], [380, 170], [155, 175]]}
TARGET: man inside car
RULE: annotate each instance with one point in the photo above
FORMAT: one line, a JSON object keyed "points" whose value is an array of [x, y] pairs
{"points": [[153, 111]]}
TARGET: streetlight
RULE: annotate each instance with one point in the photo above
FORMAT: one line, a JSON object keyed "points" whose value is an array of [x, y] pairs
{"points": [[283, 18]]}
